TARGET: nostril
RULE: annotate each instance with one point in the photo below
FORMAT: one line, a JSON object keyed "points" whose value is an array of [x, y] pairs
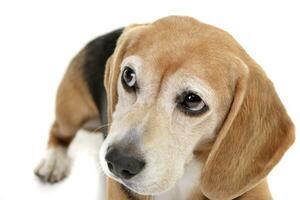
{"points": [[110, 166]]}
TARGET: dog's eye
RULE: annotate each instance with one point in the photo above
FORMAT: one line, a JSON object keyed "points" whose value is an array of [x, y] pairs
{"points": [[193, 102], [190, 103], [128, 77]]}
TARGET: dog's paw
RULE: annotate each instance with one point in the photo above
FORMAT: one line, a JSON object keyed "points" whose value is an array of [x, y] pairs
{"points": [[55, 166]]}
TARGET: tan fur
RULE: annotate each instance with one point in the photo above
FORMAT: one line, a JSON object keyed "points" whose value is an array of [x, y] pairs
{"points": [[74, 105], [256, 130], [245, 134], [258, 145], [74, 108]]}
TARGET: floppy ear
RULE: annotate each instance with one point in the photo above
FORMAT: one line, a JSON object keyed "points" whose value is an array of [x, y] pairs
{"points": [[112, 68], [108, 84], [252, 139], [112, 71]]}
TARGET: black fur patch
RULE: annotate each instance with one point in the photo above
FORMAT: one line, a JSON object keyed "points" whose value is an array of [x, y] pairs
{"points": [[97, 53]]}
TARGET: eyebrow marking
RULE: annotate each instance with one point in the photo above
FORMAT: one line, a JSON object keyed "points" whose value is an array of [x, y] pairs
{"points": [[133, 61]]}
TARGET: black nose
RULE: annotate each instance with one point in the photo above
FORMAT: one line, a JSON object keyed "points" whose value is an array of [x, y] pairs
{"points": [[123, 165]]}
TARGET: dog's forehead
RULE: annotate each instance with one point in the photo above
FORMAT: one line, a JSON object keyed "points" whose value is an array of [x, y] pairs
{"points": [[184, 44]]}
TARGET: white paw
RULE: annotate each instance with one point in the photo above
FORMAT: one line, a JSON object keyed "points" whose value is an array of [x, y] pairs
{"points": [[55, 166]]}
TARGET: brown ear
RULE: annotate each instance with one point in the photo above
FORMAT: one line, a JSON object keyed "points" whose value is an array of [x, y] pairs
{"points": [[112, 68], [109, 76], [112, 71], [252, 140]]}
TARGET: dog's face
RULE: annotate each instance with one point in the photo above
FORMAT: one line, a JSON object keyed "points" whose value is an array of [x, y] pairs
{"points": [[176, 83], [168, 102]]}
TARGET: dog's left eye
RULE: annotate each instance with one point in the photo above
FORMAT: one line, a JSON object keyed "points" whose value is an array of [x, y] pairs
{"points": [[192, 104], [128, 78]]}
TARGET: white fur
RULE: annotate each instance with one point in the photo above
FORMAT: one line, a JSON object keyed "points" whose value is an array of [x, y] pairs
{"points": [[185, 185], [55, 166], [134, 61]]}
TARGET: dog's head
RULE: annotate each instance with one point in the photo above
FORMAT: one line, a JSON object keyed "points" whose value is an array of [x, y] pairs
{"points": [[173, 87]]}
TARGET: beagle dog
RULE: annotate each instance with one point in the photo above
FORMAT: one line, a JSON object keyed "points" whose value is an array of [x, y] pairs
{"points": [[190, 114]]}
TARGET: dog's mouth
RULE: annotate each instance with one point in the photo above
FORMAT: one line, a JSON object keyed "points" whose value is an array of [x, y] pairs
{"points": [[132, 184], [143, 184], [149, 187], [140, 183]]}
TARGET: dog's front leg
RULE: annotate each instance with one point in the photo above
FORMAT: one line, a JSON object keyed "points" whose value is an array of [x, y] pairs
{"points": [[74, 108]]}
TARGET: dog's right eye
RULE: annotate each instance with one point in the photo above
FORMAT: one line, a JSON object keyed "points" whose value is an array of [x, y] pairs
{"points": [[129, 78]]}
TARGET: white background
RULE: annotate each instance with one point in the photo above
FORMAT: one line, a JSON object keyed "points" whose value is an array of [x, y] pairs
{"points": [[38, 39]]}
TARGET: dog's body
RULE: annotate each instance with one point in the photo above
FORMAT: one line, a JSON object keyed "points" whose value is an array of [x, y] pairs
{"points": [[220, 145]]}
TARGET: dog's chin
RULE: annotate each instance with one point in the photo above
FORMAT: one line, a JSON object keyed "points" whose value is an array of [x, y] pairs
{"points": [[145, 189], [153, 187], [144, 186]]}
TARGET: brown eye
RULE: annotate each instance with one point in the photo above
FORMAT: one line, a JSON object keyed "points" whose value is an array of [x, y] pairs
{"points": [[191, 103], [129, 77]]}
